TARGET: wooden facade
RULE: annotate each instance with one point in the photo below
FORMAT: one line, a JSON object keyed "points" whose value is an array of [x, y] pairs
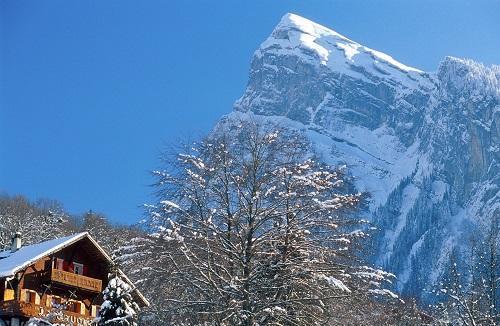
{"points": [[65, 284]]}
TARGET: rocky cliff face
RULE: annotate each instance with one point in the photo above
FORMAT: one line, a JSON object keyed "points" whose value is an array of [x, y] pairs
{"points": [[426, 146]]}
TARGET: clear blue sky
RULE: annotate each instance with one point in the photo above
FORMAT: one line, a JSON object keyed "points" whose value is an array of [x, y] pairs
{"points": [[90, 91]]}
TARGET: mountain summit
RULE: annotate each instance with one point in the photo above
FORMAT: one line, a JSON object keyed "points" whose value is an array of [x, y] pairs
{"points": [[424, 145], [331, 47]]}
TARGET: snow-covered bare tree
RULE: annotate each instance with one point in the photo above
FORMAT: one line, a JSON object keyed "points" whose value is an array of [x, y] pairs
{"points": [[144, 259], [249, 229], [110, 236], [472, 289], [36, 222]]}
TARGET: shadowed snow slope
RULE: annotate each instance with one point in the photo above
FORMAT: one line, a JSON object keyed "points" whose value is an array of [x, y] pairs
{"points": [[424, 145]]}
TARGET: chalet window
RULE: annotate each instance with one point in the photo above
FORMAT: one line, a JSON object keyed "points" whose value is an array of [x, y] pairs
{"points": [[31, 297], [59, 264], [56, 301], [8, 285], [71, 306], [78, 268], [74, 306]]}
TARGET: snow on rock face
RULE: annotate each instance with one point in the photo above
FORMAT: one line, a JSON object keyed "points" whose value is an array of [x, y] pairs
{"points": [[295, 32], [461, 75], [426, 146], [345, 91]]}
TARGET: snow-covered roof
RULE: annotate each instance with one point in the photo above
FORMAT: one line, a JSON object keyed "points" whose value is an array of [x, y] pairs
{"points": [[12, 262]]}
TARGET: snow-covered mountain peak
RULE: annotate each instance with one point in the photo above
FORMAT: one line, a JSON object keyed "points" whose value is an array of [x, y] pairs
{"points": [[425, 146], [343, 90], [318, 44], [292, 21]]}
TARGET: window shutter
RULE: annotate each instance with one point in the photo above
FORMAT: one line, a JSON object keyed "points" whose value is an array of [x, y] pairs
{"points": [[95, 309], [59, 264], [8, 295], [85, 270], [23, 296], [65, 265], [37, 298], [48, 301]]}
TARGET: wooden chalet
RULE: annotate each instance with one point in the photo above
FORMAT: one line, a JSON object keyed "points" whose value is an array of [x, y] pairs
{"points": [[63, 277]]}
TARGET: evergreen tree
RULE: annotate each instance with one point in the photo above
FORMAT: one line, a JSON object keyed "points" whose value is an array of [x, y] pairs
{"points": [[118, 308]]}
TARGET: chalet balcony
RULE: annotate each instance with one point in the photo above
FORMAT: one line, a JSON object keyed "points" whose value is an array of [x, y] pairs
{"points": [[76, 280], [16, 308], [28, 310]]}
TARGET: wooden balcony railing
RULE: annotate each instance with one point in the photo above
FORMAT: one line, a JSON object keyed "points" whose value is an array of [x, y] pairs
{"points": [[16, 308], [72, 318], [26, 309], [75, 280]]}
